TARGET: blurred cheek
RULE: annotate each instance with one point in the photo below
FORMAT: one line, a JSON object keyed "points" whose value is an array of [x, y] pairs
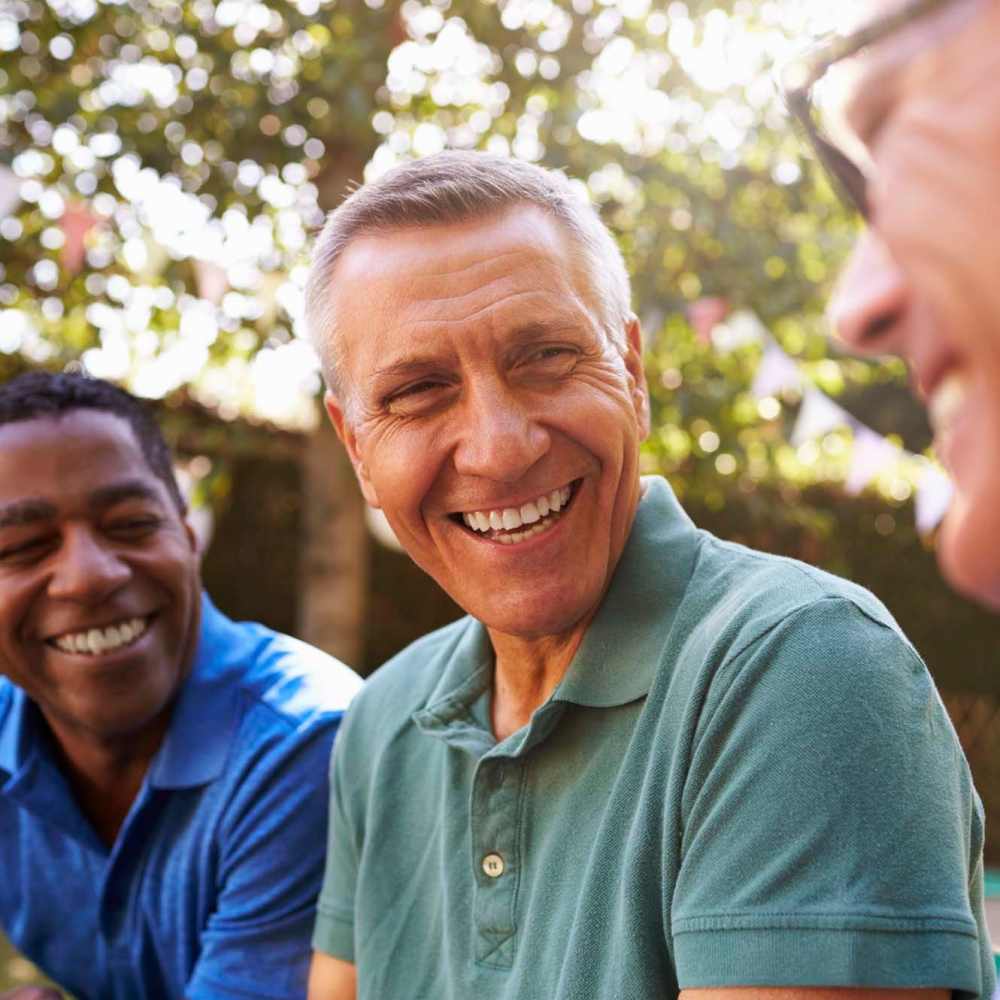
{"points": [[937, 206]]}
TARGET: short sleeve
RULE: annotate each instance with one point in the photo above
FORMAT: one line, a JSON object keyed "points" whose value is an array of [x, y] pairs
{"points": [[256, 943], [334, 930], [830, 828]]}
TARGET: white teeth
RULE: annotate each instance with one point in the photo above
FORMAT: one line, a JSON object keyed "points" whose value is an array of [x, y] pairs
{"points": [[97, 640], [509, 519], [944, 405]]}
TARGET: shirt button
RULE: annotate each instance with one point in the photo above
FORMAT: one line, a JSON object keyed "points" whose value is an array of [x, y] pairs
{"points": [[493, 865]]}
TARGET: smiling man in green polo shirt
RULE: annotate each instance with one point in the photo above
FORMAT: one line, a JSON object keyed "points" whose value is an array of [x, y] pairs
{"points": [[648, 761]]}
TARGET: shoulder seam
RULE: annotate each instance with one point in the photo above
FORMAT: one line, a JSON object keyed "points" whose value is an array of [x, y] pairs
{"points": [[809, 605], [291, 723]]}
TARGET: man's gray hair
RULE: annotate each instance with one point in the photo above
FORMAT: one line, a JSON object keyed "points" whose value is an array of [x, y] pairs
{"points": [[452, 187]]}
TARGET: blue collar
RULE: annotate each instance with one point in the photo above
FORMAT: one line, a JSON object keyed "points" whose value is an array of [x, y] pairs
{"points": [[205, 717], [202, 726]]}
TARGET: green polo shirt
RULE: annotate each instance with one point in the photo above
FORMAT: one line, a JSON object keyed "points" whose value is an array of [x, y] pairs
{"points": [[746, 777]]}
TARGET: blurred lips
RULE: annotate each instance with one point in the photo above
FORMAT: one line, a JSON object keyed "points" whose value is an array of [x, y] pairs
{"points": [[945, 403]]}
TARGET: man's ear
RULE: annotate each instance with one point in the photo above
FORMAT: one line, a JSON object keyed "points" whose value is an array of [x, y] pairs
{"points": [[192, 538], [345, 432], [637, 374]]}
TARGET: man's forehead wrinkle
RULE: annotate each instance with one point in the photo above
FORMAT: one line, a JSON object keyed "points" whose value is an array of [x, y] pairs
{"points": [[458, 269], [481, 275], [130, 489], [34, 509], [520, 315]]}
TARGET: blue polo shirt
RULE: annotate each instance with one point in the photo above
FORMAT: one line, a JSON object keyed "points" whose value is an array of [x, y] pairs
{"points": [[745, 778], [209, 890]]}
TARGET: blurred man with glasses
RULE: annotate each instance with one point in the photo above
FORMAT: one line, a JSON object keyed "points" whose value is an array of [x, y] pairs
{"points": [[920, 160]]}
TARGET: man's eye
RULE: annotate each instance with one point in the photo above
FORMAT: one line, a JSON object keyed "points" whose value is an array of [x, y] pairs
{"points": [[414, 390], [414, 396], [25, 550], [134, 527], [555, 357]]}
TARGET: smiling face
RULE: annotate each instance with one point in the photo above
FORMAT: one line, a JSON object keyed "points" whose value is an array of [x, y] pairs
{"points": [[99, 581], [490, 416], [922, 282]]}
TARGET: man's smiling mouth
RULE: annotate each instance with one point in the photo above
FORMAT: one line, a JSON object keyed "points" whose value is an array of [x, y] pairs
{"points": [[95, 641], [509, 525]]}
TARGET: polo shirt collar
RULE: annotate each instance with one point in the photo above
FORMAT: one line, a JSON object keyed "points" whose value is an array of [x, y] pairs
{"points": [[467, 673], [204, 720], [623, 646], [32, 778], [13, 703]]}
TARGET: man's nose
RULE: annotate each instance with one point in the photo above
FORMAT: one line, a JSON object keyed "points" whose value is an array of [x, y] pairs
{"points": [[500, 437], [869, 303], [87, 569]]}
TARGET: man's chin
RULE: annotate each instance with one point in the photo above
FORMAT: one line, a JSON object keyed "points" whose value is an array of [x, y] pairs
{"points": [[536, 620], [969, 550]]}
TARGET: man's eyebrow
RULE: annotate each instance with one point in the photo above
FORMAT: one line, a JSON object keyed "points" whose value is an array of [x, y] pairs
{"points": [[526, 334], [540, 329], [22, 512], [129, 489], [401, 369]]}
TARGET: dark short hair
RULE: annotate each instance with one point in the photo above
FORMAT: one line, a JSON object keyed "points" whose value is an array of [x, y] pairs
{"points": [[37, 395]]}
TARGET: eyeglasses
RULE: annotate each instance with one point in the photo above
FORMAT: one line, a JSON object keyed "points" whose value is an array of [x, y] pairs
{"points": [[800, 78]]}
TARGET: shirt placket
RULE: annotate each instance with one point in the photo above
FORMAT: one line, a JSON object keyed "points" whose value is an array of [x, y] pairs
{"points": [[495, 817]]}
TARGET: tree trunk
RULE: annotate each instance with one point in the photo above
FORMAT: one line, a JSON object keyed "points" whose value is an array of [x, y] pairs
{"points": [[335, 552]]}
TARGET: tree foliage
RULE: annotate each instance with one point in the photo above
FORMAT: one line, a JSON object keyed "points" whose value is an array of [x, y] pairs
{"points": [[198, 142]]}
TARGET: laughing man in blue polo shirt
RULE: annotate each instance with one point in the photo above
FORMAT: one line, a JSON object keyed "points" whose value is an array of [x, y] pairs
{"points": [[162, 769], [648, 762]]}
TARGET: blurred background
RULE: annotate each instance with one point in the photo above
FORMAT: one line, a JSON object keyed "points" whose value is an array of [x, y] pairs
{"points": [[164, 164]]}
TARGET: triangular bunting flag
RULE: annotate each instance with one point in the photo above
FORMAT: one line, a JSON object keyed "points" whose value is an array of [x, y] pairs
{"points": [[741, 328], [705, 314], [776, 373], [934, 494], [213, 281], [818, 415], [77, 221], [870, 454]]}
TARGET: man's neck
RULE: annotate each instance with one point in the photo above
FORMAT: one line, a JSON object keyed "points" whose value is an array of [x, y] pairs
{"points": [[527, 672], [106, 775]]}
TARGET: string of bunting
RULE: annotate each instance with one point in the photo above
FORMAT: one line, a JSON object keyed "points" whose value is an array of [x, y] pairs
{"points": [[777, 374], [872, 454]]}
